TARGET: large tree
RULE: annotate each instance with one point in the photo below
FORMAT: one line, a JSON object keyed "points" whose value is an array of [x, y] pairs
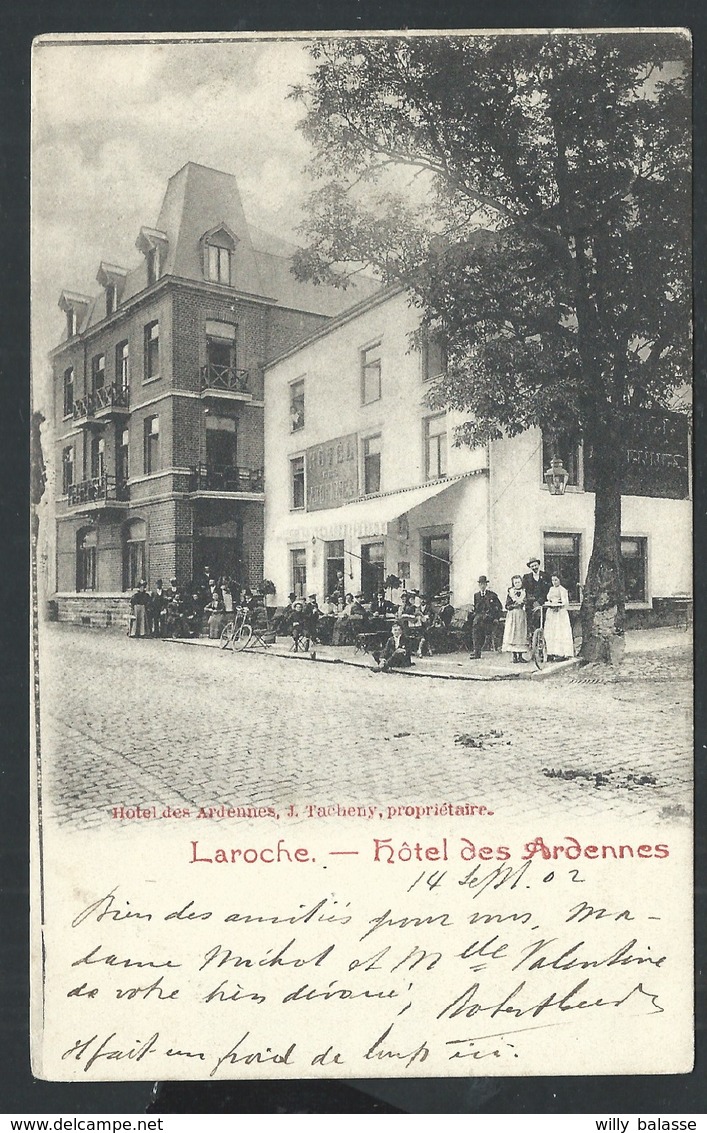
{"points": [[533, 194]]}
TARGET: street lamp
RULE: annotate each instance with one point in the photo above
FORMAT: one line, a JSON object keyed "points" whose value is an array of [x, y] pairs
{"points": [[556, 477]]}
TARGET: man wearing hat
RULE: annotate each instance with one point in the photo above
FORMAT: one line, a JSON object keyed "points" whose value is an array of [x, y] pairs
{"points": [[312, 614], [536, 585], [486, 616]]}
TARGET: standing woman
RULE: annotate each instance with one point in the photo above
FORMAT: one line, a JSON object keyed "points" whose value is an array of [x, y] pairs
{"points": [[515, 631], [558, 630]]}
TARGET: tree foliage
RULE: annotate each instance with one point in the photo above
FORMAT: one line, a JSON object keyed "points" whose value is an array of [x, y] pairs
{"points": [[532, 192]]}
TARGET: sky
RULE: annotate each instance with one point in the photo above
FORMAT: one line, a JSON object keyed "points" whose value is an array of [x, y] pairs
{"points": [[113, 121]]}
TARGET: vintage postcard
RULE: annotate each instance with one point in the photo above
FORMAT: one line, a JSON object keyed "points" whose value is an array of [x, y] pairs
{"points": [[362, 533]]}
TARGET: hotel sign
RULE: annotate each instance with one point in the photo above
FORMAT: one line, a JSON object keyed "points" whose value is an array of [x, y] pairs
{"points": [[656, 455], [332, 472]]}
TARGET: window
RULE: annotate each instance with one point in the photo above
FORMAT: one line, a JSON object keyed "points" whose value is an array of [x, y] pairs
{"points": [[86, 548], [122, 365], [134, 558], [298, 572], [98, 457], [153, 265], [633, 557], [372, 465], [220, 442], [111, 298], [68, 391], [152, 350], [220, 349], [152, 444], [567, 448], [123, 464], [372, 568], [297, 481], [371, 374], [434, 359], [98, 371], [296, 406], [67, 468], [562, 557], [219, 263], [436, 447], [435, 564], [71, 323]]}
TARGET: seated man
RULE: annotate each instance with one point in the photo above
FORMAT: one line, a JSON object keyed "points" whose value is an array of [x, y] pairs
{"points": [[395, 653], [423, 624], [298, 627]]}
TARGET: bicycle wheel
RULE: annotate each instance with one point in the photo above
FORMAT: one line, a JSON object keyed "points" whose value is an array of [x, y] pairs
{"points": [[539, 648], [242, 638], [226, 635]]}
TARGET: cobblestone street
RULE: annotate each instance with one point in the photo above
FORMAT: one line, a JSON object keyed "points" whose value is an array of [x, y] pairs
{"points": [[128, 722]]}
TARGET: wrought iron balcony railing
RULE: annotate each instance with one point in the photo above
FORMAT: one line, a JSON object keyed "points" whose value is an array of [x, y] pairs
{"points": [[224, 378], [214, 478], [106, 398], [102, 489]]}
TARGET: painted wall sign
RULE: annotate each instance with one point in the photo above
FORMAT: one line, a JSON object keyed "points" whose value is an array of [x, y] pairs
{"points": [[656, 455], [332, 472]]}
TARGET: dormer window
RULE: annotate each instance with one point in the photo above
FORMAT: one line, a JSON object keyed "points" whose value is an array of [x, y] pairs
{"points": [[112, 279], [154, 247], [71, 327], [111, 299], [153, 266], [74, 307], [218, 247]]}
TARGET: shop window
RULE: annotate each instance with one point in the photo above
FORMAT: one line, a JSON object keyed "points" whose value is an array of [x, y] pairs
{"points": [[568, 449], [297, 481], [372, 465], [436, 447], [98, 457], [435, 564], [296, 406], [633, 558], [134, 553], [67, 468], [434, 359], [98, 371], [335, 567], [86, 556], [123, 463], [152, 350], [151, 444], [562, 557], [372, 568], [220, 442], [122, 365], [371, 374], [298, 572], [68, 391]]}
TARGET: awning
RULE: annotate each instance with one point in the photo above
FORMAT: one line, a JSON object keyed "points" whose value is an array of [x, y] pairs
{"points": [[370, 516]]}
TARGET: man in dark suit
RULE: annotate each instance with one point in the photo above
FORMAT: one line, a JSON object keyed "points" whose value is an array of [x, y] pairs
{"points": [[486, 617], [536, 585]]}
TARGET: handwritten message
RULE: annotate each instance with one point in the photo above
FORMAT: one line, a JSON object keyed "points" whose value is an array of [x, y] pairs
{"points": [[334, 953]]}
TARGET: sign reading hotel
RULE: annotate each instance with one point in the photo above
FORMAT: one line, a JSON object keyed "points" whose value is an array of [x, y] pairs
{"points": [[655, 455], [332, 472]]}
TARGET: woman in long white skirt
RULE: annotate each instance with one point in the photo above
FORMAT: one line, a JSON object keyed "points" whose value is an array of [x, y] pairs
{"points": [[558, 630], [515, 631]]}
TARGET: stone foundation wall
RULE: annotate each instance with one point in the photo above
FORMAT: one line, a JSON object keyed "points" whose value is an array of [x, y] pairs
{"points": [[103, 611]]}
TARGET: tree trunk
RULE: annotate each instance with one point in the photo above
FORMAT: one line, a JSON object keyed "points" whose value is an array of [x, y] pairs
{"points": [[603, 608]]}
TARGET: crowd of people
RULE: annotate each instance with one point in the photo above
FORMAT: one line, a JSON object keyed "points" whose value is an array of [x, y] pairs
{"points": [[412, 624]]}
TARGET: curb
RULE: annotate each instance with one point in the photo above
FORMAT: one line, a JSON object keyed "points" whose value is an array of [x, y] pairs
{"points": [[535, 674]]}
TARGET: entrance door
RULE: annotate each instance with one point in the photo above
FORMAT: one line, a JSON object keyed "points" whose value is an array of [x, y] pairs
{"points": [[435, 564], [372, 568], [223, 553], [334, 564]]}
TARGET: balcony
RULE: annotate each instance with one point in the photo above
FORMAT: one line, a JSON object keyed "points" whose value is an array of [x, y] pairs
{"points": [[211, 480], [104, 404], [100, 493], [225, 383]]}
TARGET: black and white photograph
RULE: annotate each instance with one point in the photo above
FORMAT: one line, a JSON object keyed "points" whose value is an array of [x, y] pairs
{"points": [[362, 543]]}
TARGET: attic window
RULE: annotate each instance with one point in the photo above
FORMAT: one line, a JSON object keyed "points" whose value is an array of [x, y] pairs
{"points": [[218, 247], [219, 263], [153, 265], [111, 298], [70, 322]]}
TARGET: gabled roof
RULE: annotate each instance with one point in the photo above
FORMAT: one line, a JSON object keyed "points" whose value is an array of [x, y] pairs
{"points": [[110, 273], [69, 300]]}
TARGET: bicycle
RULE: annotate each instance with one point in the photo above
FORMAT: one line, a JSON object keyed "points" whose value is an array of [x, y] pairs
{"points": [[538, 645], [246, 630]]}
